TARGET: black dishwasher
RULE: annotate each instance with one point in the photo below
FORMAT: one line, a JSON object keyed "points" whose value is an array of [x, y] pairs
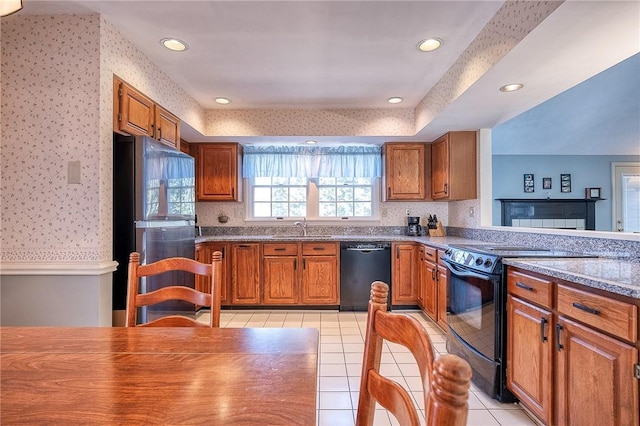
{"points": [[362, 263]]}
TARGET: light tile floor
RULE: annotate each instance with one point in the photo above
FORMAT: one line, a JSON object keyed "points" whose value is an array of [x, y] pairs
{"points": [[341, 347]]}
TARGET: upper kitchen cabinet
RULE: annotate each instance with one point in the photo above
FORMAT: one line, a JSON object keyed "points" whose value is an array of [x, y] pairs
{"points": [[136, 114], [405, 174], [218, 168], [453, 166]]}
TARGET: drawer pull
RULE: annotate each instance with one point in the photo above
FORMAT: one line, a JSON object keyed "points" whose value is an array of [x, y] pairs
{"points": [[586, 308], [543, 335], [279, 249], [559, 346], [318, 248], [524, 286]]}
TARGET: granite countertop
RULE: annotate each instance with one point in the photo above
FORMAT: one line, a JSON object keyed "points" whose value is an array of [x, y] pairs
{"points": [[613, 275], [439, 242]]}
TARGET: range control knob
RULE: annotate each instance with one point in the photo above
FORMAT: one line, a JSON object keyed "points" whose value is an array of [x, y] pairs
{"points": [[488, 263], [479, 261]]}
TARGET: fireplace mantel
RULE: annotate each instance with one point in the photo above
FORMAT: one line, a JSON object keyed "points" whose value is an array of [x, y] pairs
{"points": [[548, 209]]}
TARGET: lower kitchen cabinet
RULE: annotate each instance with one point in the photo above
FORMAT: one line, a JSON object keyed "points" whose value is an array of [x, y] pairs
{"points": [[405, 273], [529, 356], [429, 281], [442, 296], [280, 274], [246, 274], [595, 378], [204, 252], [572, 355], [320, 274]]}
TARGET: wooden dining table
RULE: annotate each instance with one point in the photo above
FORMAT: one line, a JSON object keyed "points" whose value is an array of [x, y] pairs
{"points": [[117, 375]]}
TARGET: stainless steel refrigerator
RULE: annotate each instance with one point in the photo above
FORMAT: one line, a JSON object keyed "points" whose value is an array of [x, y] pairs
{"points": [[153, 213]]}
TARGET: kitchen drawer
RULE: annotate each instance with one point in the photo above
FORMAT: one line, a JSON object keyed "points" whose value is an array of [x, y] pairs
{"points": [[430, 253], [528, 287], [440, 257], [609, 315], [280, 249], [319, 249]]}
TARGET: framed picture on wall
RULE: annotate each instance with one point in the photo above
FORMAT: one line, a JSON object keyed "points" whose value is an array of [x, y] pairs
{"points": [[565, 183], [528, 182], [546, 183]]}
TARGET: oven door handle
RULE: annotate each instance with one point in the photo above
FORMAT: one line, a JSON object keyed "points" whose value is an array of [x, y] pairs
{"points": [[462, 272]]}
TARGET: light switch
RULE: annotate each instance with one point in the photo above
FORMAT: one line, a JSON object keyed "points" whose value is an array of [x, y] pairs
{"points": [[74, 172]]}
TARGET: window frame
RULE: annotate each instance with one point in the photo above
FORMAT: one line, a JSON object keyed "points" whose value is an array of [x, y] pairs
{"points": [[313, 207]]}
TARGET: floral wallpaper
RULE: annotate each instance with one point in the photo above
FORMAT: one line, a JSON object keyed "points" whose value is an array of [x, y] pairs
{"points": [[513, 21], [318, 122], [50, 116]]}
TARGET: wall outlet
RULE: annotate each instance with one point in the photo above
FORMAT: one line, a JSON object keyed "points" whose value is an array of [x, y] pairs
{"points": [[74, 172], [472, 211], [406, 212], [383, 212]]}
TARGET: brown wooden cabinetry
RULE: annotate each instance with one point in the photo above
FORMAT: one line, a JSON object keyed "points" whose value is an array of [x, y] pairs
{"points": [[246, 274], [405, 173], [280, 273], [453, 166], [571, 354], [405, 273], [136, 114], [217, 171], [203, 254], [320, 274], [429, 281], [442, 296]]}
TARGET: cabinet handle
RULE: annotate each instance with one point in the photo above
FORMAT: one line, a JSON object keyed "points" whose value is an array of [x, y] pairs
{"points": [[543, 324], [279, 249], [244, 245], [446, 188], [160, 133], [429, 254], [389, 192], [397, 252], [433, 274], [524, 286], [233, 193], [304, 264], [295, 264], [153, 131], [559, 346], [318, 248], [586, 308]]}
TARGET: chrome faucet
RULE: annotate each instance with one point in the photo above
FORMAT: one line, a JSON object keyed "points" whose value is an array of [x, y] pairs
{"points": [[303, 224]]}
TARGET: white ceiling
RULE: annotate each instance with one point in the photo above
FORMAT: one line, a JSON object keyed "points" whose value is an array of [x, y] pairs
{"points": [[356, 54]]}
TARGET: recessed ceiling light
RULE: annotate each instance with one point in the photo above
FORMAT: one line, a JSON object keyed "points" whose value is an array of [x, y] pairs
{"points": [[223, 101], [311, 142], [511, 87], [429, 44], [7, 7], [174, 44], [394, 100]]}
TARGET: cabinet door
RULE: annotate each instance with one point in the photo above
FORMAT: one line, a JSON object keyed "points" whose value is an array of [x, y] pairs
{"points": [[440, 168], [167, 127], [280, 280], [319, 280], [529, 356], [429, 271], [203, 254], [442, 297], [217, 172], [404, 274], [405, 172], [245, 274], [595, 378], [136, 112]]}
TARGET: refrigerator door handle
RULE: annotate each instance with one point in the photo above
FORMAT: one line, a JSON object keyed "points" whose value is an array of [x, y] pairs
{"points": [[164, 223]]}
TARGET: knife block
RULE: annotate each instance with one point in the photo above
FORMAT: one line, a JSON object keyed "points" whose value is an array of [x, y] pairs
{"points": [[438, 232]]}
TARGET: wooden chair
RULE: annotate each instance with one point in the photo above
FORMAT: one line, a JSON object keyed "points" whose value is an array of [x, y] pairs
{"points": [[445, 380], [176, 292]]}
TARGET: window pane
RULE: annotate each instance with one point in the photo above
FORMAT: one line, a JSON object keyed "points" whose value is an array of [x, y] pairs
{"points": [[280, 193], [362, 194], [345, 193], [298, 194], [262, 194], [327, 210], [298, 209], [362, 209], [262, 209], [344, 209], [327, 194], [262, 181], [280, 209]]}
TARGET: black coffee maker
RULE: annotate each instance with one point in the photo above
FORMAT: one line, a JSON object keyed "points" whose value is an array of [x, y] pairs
{"points": [[413, 226]]}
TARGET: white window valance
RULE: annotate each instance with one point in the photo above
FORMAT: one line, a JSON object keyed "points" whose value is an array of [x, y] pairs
{"points": [[310, 162]]}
